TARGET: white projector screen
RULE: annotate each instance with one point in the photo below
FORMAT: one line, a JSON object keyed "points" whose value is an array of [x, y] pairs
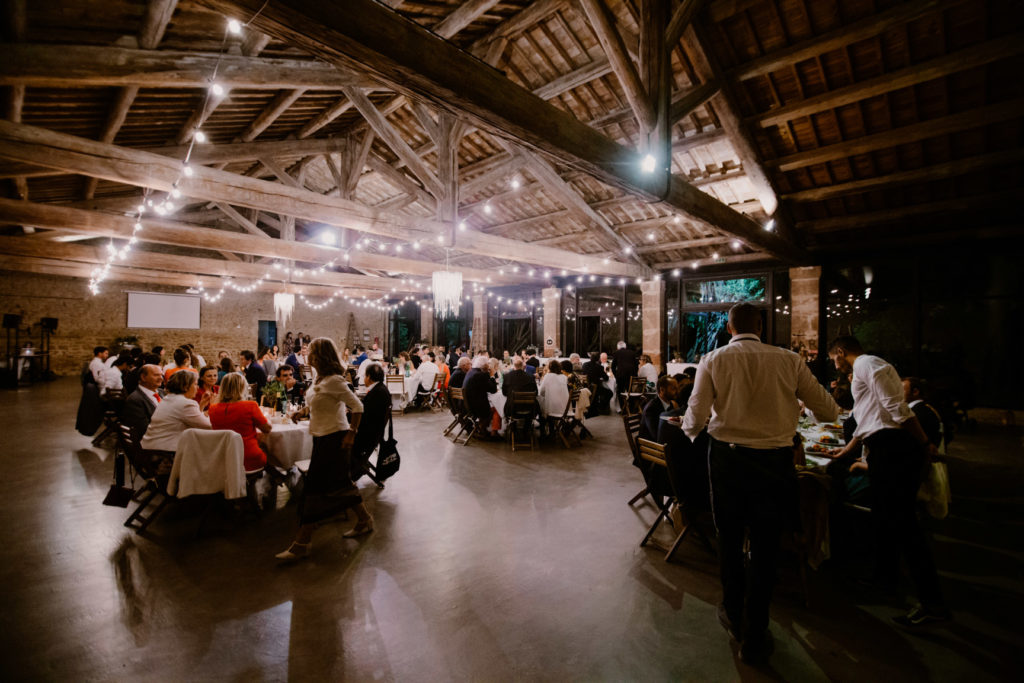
{"points": [[171, 311]]}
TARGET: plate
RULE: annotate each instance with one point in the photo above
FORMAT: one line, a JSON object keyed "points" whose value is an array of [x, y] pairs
{"points": [[834, 444], [822, 450]]}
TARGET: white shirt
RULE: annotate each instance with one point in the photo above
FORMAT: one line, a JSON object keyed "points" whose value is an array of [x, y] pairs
{"points": [[327, 400], [878, 401], [553, 394], [111, 379], [425, 373], [648, 372], [97, 368], [173, 415], [361, 371], [750, 390]]}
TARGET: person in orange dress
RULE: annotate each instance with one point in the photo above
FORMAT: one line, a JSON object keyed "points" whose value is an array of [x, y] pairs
{"points": [[182, 361], [244, 417]]}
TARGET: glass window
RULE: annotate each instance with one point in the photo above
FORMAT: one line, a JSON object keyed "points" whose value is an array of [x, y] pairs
{"points": [[782, 329], [751, 289], [634, 318], [704, 332], [569, 322], [599, 321], [672, 319]]}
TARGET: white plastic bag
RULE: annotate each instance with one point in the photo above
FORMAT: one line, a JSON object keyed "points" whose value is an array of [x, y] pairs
{"points": [[934, 491]]}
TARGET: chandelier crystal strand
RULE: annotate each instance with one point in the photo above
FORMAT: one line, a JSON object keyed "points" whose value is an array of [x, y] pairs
{"points": [[284, 304], [447, 289]]}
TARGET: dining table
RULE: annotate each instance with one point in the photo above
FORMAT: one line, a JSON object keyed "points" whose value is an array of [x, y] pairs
{"points": [[288, 443]]}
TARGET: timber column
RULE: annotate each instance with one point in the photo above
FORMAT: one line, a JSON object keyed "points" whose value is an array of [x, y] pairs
{"points": [[805, 302], [480, 331], [552, 320], [653, 317]]}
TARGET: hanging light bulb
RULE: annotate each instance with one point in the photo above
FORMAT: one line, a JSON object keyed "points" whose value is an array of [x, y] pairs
{"points": [[217, 89], [200, 136], [234, 27]]}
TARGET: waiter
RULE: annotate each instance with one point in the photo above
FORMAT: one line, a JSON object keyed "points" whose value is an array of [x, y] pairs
{"points": [[751, 391]]}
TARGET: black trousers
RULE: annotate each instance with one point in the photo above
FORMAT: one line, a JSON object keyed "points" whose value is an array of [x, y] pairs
{"points": [[753, 493], [896, 463]]}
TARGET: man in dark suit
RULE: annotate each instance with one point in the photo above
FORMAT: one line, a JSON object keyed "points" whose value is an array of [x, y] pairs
{"points": [[375, 411], [517, 379], [531, 358], [623, 366], [663, 402], [254, 373], [595, 376], [139, 406], [459, 374], [476, 387]]}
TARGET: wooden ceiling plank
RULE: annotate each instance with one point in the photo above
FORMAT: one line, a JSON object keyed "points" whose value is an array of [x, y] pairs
{"points": [[464, 15], [681, 18], [870, 218], [270, 113]]}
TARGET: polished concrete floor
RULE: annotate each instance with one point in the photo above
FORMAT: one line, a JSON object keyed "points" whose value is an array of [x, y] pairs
{"points": [[486, 565]]}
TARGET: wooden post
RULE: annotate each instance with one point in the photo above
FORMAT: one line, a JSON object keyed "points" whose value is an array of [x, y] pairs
{"points": [[652, 294], [552, 320]]}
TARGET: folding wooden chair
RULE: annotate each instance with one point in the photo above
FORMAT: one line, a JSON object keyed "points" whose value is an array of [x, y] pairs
{"points": [[655, 452], [396, 387], [633, 399], [113, 401], [154, 467], [367, 467], [458, 410], [524, 408], [564, 426], [305, 373], [437, 393], [631, 423]]}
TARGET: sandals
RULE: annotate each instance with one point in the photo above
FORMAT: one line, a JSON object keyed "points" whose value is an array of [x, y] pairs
{"points": [[296, 551]]}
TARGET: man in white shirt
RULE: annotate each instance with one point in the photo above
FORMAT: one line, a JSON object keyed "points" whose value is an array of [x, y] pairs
{"points": [[425, 375], [97, 365], [898, 450], [751, 392], [112, 375]]}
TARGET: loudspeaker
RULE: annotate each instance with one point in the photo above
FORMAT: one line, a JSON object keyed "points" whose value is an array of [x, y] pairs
{"points": [[11, 321], [49, 324]]}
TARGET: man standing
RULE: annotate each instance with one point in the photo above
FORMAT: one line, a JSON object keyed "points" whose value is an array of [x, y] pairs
{"points": [[623, 366], [751, 391], [254, 374], [898, 450]]}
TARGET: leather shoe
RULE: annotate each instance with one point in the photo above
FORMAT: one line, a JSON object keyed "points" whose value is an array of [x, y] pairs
{"points": [[726, 622], [755, 651], [360, 529]]}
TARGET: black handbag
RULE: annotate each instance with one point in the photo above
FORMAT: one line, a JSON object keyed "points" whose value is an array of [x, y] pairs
{"points": [[388, 460]]}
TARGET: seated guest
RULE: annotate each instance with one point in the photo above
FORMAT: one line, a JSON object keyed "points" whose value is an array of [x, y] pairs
{"points": [[268, 359], [244, 417], [226, 367], [927, 415], [665, 401], [516, 379], [531, 358], [425, 375], [207, 384], [572, 380], [159, 352], [139, 405], [361, 357], [373, 359], [575, 363], [254, 374], [113, 377], [130, 381], [182, 361], [475, 389], [295, 389], [175, 413], [554, 391], [98, 364], [375, 411], [459, 376], [647, 370], [596, 376]]}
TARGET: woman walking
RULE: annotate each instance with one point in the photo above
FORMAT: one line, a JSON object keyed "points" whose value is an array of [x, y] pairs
{"points": [[328, 490]]}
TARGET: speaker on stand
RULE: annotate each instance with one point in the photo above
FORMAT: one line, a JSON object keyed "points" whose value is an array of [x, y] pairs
{"points": [[47, 326], [11, 321]]}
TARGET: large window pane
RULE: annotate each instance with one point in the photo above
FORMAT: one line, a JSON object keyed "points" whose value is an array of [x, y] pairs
{"points": [[634, 318], [751, 289], [672, 319], [703, 332]]}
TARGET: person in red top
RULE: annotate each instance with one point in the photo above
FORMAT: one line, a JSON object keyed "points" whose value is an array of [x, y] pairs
{"points": [[207, 385], [244, 417]]}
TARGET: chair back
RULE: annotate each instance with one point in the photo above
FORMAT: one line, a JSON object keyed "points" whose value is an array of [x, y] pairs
{"points": [[142, 461], [637, 385], [438, 381], [523, 404], [631, 422], [254, 392], [652, 451], [306, 372], [397, 380], [455, 401]]}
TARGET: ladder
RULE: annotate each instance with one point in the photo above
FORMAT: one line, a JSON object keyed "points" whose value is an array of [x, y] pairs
{"points": [[353, 333]]}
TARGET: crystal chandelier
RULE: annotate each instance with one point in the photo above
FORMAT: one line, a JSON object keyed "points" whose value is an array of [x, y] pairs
{"points": [[447, 289], [284, 304]]}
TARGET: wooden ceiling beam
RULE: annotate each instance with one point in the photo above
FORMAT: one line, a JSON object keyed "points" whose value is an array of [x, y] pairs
{"points": [[177, 233], [78, 155], [903, 13], [392, 51], [463, 15], [944, 125], [950, 169], [684, 244], [871, 218], [78, 66], [691, 100], [625, 71], [711, 261], [955, 62]]}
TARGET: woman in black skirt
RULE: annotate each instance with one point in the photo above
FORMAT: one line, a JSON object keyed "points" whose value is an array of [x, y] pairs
{"points": [[328, 490]]}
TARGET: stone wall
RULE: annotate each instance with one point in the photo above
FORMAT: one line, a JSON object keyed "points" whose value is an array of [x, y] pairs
{"points": [[231, 324]]}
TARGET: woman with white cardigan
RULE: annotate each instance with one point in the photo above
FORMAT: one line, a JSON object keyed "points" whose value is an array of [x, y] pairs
{"points": [[553, 392], [328, 489], [175, 412]]}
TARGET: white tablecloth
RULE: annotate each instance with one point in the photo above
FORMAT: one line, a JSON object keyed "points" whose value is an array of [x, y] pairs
{"points": [[610, 386], [676, 368], [497, 401], [208, 461], [288, 443]]}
